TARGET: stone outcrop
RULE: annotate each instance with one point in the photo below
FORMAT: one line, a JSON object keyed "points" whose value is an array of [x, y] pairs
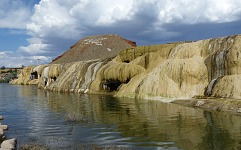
{"points": [[24, 76], [205, 68], [189, 70]]}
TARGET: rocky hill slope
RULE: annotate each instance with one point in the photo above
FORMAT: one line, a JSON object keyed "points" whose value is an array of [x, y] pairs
{"points": [[205, 68], [95, 47]]}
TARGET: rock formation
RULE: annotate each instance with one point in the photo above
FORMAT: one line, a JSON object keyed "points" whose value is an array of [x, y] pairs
{"points": [[176, 70], [24, 76]]}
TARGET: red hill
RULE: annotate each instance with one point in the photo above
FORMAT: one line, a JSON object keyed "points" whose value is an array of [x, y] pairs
{"points": [[95, 47]]}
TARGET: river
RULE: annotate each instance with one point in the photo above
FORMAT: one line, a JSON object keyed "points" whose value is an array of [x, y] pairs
{"points": [[68, 121]]}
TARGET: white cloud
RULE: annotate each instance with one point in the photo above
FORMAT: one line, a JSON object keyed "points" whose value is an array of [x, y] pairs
{"points": [[55, 25], [199, 11], [113, 11], [50, 17], [57, 18], [35, 47], [14, 14], [11, 59], [223, 11], [3, 54]]}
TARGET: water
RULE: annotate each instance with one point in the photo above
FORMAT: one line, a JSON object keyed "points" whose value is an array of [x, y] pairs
{"points": [[37, 116]]}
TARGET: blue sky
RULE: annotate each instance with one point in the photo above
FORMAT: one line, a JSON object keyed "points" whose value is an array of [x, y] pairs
{"points": [[43, 29]]}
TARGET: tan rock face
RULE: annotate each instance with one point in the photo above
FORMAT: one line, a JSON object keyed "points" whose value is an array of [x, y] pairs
{"points": [[24, 76], [223, 65], [174, 78], [228, 86], [176, 70]]}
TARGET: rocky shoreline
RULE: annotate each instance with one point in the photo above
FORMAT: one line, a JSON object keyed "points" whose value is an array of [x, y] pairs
{"points": [[232, 106], [6, 144]]}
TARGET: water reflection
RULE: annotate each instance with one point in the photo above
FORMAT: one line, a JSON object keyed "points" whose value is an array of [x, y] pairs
{"points": [[128, 122]]}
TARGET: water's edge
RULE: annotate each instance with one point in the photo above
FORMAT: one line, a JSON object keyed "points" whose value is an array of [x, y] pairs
{"points": [[232, 106]]}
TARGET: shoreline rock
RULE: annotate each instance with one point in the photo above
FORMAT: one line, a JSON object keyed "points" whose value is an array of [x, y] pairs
{"points": [[7, 144], [4, 127]]}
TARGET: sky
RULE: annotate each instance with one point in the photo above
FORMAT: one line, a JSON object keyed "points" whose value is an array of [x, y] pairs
{"points": [[37, 31]]}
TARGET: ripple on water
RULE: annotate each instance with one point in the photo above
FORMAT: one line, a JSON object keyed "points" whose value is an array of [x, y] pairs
{"points": [[38, 116]]}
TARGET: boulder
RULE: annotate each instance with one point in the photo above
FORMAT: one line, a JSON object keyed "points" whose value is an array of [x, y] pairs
{"points": [[9, 144], [4, 127]]}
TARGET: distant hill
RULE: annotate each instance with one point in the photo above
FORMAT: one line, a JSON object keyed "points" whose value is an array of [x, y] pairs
{"points": [[95, 47]]}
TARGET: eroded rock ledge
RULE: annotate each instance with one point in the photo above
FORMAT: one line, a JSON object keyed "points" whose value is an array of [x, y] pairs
{"points": [[205, 68]]}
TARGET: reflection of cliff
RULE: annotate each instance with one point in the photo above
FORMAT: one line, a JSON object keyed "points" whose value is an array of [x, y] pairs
{"points": [[223, 131], [142, 121], [179, 70]]}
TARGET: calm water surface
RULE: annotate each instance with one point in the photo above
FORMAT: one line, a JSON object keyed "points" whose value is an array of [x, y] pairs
{"points": [[37, 116]]}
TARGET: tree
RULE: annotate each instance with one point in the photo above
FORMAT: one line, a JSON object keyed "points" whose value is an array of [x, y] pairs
{"points": [[3, 67]]}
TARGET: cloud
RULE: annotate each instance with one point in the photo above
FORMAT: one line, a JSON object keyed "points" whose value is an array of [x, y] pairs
{"points": [[192, 12], [11, 59], [35, 47], [74, 19], [114, 12], [3, 55], [56, 25], [14, 14]]}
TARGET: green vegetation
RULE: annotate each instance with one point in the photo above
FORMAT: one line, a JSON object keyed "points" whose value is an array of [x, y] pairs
{"points": [[6, 75]]}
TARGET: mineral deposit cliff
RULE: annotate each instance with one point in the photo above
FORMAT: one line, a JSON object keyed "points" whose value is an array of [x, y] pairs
{"points": [[205, 68]]}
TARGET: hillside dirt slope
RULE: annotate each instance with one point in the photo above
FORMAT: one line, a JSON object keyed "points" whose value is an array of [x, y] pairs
{"points": [[95, 47]]}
